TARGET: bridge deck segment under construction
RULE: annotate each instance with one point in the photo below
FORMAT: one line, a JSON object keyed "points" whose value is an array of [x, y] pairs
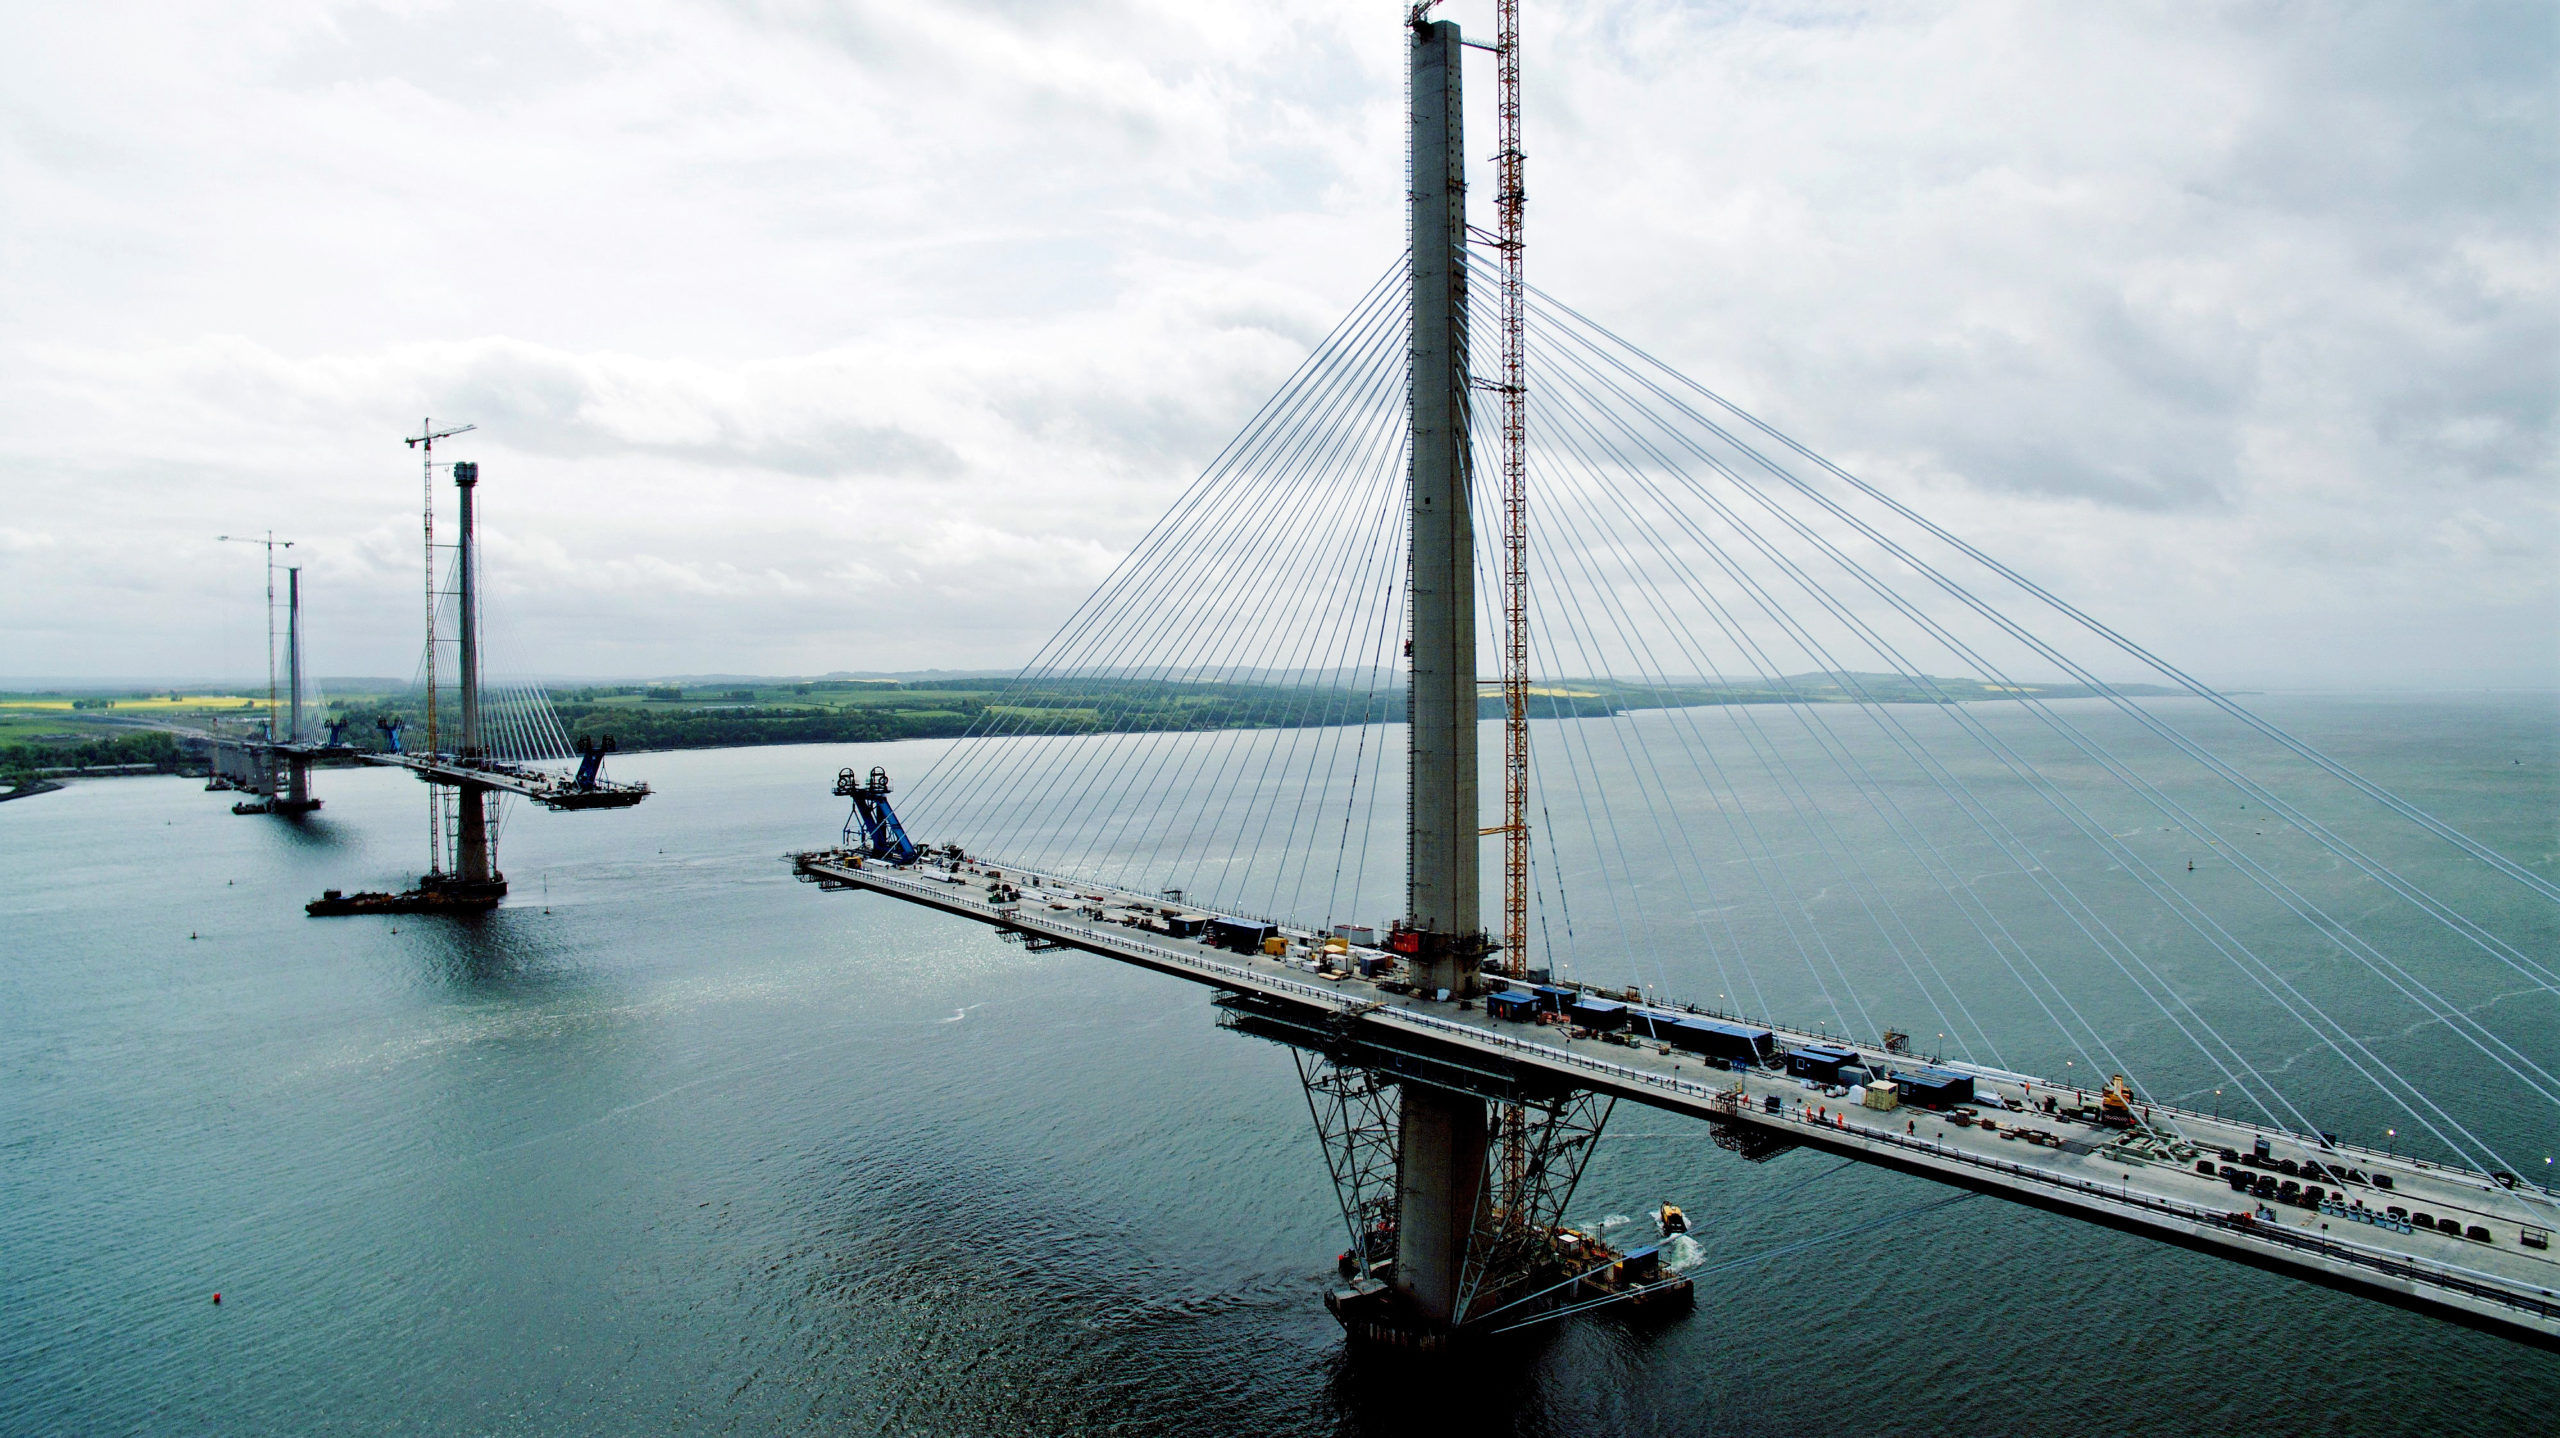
{"points": [[2146, 1180]]}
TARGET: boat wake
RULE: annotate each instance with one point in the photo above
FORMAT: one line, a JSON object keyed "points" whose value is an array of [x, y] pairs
{"points": [[1680, 1253]]}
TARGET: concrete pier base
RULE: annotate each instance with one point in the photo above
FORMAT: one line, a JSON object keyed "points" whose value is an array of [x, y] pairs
{"points": [[1440, 1171]]}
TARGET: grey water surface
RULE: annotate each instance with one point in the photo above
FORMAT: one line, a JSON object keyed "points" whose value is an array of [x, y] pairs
{"points": [[675, 1144]]}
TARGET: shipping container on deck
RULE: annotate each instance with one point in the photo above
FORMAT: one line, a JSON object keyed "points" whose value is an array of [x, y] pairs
{"points": [[1554, 999], [1517, 1005], [1933, 1088], [1243, 936], [1594, 1013], [1658, 1024], [1643, 1265], [1185, 926], [1718, 1039], [1820, 1061]]}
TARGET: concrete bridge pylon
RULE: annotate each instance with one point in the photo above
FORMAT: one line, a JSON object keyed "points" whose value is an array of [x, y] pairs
{"points": [[1442, 1135]]}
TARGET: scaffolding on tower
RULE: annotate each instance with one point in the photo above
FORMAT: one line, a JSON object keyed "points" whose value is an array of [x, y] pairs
{"points": [[1509, 201]]}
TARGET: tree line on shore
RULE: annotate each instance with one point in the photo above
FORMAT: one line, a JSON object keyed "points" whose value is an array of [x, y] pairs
{"points": [[22, 759]]}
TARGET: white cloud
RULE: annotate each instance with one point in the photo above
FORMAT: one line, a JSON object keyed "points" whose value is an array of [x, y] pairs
{"points": [[808, 336]]}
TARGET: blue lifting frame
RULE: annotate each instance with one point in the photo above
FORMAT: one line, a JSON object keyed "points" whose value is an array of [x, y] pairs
{"points": [[883, 837], [591, 754]]}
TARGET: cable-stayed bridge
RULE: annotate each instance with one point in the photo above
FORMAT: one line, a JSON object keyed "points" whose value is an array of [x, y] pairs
{"points": [[272, 765], [489, 742], [1818, 823], [479, 735]]}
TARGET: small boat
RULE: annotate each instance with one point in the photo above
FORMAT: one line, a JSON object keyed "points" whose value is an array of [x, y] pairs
{"points": [[1670, 1219]]}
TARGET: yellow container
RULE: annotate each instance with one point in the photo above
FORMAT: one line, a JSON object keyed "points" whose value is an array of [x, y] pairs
{"points": [[1275, 945]]}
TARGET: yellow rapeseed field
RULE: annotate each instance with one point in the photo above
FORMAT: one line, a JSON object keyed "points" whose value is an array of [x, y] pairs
{"points": [[158, 703]]}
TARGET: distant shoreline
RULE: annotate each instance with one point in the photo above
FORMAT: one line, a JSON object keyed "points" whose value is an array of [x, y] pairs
{"points": [[50, 732]]}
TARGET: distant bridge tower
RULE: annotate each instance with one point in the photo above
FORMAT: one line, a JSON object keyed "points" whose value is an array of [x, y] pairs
{"points": [[276, 768], [475, 866], [425, 441], [296, 798], [490, 757]]}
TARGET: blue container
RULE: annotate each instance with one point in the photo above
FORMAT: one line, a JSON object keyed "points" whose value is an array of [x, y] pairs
{"points": [[1933, 1088], [1594, 1013], [1823, 1062], [1719, 1039], [1653, 1023], [1244, 936]]}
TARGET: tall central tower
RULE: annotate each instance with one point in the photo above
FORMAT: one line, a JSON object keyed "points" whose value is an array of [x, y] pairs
{"points": [[1442, 899], [1442, 1133]]}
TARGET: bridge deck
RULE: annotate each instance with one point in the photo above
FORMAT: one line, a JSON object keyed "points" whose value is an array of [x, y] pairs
{"points": [[2498, 1285], [538, 785]]}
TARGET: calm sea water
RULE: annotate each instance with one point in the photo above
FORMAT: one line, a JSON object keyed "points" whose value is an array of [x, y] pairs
{"points": [[675, 1144]]}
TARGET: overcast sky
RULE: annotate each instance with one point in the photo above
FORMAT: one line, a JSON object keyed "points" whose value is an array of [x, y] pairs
{"points": [[817, 336]]}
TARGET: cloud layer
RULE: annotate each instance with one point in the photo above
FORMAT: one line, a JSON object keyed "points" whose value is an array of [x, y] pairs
{"points": [[817, 336]]}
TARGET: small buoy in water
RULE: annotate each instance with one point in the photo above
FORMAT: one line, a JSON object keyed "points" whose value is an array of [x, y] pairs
{"points": [[2191, 866], [191, 933], [217, 1298]]}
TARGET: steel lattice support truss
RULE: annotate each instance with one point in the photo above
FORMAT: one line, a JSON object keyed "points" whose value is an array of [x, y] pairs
{"points": [[1353, 1093], [1355, 1114], [1515, 1219]]}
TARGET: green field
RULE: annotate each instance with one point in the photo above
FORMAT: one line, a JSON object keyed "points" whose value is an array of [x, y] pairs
{"points": [[28, 716], [40, 727], [35, 729]]}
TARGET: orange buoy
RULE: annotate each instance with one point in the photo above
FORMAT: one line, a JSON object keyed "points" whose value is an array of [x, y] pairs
{"points": [[217, 1298]]}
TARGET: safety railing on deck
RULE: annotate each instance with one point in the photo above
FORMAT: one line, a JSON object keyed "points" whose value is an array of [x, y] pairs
{"points": [[2523, 1187], [1237, 976]]}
